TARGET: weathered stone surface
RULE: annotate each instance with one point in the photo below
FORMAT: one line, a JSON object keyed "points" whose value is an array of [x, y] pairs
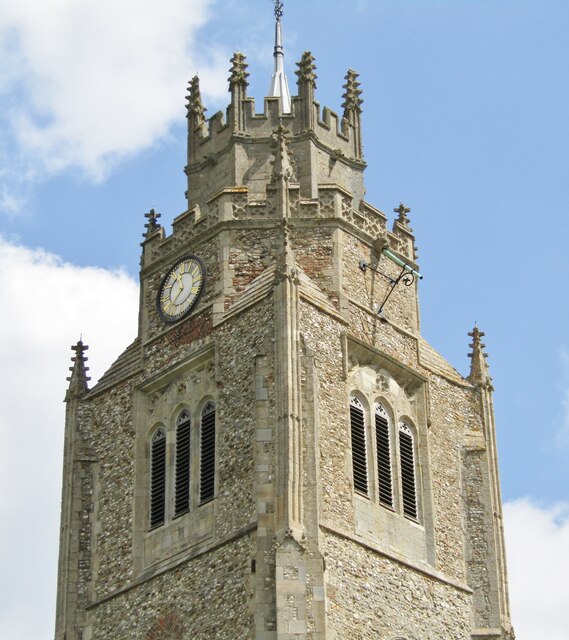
{"points": [[286, 332]]}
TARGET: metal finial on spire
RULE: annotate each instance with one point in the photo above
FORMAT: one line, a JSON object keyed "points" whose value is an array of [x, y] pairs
{"points": [[279, 83]]}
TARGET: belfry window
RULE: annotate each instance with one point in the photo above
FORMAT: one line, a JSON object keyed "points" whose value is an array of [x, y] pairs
{"points": [[359, 449], [207, 453], [388, 446], [383, 448], [158, 478], [182, 464], [407, 464], [182, 479]]}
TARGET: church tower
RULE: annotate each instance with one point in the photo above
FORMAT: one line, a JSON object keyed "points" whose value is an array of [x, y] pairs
{"points": [[279, 454]]}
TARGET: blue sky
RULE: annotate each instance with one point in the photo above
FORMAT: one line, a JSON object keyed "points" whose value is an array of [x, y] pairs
{"points": [[465, 120]]}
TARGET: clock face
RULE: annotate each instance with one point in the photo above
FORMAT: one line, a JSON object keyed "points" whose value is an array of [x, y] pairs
{"points": [[181, 288]]}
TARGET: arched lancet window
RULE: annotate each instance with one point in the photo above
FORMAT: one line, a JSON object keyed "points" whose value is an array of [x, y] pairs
{"points": [[182, 484], [207, 453], [359, 449], [158, 478], [384, 479], [407, 462]]}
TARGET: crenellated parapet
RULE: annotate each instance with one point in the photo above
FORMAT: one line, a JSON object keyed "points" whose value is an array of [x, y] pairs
{"points": [[235, 148]]}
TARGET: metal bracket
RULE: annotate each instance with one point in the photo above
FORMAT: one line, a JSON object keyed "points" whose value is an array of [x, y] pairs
{"points": [[406, 276]]}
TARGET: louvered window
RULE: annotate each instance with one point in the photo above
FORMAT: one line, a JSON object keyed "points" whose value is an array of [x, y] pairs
{"points": [[407, 461], [384, 479], [182, 486], [359, 450], [207, 453], [158, 479]]}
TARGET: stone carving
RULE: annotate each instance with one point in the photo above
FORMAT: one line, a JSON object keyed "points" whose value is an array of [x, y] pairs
{"points": [[352, 95], [152, 225], [78, 379], [402, 217], [326, 202], [239, 205], [382, 381], [195, 105], [306, 71], [282, 164], [238, 70]]}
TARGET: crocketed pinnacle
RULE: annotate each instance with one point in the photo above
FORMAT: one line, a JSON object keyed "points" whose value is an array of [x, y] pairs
{"points": [[282, 166], [352, 100], [306, 71], [479, 372], [402, 216], [78, 379], [195, 105], [238, 71], [152, 225]]}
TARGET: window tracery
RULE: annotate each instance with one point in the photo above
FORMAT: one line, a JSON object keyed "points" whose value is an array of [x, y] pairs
{"points": [[383, 439], [176, 466]]}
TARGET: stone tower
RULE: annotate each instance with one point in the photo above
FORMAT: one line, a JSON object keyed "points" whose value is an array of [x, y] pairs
{"points": [[279, 454]]}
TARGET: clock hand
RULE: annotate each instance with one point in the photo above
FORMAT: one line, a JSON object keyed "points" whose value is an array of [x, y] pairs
{"points": [[181, 283]]}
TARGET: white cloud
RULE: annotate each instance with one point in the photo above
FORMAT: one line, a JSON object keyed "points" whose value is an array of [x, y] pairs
{"points": [[84, 84], [46, 304], [537, 541]]}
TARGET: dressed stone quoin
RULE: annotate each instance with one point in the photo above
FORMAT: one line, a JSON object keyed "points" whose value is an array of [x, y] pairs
{"points": [[279, 454]]}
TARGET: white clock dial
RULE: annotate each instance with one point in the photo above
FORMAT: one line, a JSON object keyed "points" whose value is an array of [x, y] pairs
{"points": [[181, 288]]}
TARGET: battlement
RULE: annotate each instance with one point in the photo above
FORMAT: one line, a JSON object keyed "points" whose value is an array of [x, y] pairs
{"points": [[236, 148], [216, 133]]}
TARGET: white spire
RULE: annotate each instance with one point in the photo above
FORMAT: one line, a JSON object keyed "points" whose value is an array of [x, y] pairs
{"points": [[279, 82]]}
